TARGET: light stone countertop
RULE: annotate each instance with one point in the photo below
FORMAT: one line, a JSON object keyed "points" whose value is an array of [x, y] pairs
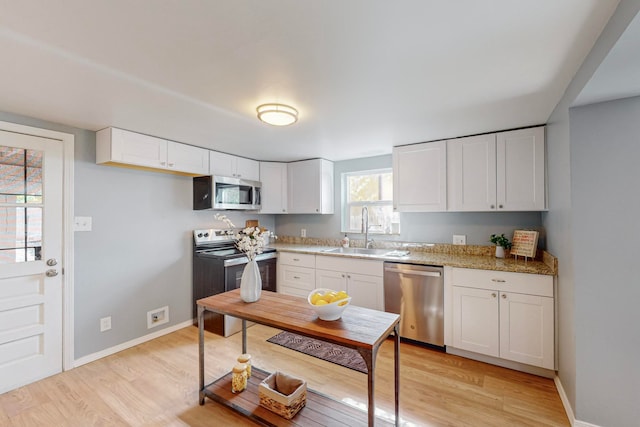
{"points": [[547, 267]]}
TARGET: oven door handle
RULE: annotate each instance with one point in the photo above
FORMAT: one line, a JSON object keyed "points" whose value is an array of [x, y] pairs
{"points": [[243, 259]]}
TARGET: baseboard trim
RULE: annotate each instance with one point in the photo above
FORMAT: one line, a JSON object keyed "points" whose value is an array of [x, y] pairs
{"points": [[567, 406], [115, 349]]}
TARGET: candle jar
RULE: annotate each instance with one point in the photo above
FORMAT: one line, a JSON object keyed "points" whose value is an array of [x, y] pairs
{"points": [[239, 378], [246, 359]]}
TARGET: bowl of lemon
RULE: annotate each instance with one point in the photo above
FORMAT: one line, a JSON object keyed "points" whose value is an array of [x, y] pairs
{"points": [[327, 303]]}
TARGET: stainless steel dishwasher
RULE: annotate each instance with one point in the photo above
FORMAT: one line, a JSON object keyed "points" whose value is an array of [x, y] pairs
{"points": [[416, 293]]}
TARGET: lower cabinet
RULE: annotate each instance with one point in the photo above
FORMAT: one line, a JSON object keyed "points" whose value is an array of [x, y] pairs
{"points": [[365, 290], [296, 273], [505, 315]]}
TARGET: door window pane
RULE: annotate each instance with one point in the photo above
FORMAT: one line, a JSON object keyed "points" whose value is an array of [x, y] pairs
{"points": [[20, 189]]}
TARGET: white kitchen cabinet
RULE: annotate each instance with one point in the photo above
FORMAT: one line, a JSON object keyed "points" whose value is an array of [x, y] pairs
{"points": [[497, 172], [296, 273], [475, 320], [505, 315], [124, 148], [420, 177], [273, 177], [520, 175], [310, 185], [471, 173], [223, 164], [362, 279]]}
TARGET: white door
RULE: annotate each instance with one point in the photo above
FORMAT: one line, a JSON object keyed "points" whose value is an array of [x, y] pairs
{"points": [[365, 291], [31, 182]]}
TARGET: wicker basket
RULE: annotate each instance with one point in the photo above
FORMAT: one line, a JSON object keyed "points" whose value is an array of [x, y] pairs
{"points": [[283, 394]]}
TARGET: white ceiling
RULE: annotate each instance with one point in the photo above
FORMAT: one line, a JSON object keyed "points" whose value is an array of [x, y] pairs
{"points": [[365, 74], [618, 76]]}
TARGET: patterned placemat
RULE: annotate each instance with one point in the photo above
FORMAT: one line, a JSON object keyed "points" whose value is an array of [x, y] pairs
{"points": [[347, 357]]}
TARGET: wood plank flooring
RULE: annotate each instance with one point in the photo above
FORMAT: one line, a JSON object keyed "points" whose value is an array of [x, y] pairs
{"points": [[156, 384]]}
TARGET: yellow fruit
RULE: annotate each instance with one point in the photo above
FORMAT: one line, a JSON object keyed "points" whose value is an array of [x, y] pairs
{"points": [[320, 302], [315, 298], [342, 303], [342, 295], [329, 297]]}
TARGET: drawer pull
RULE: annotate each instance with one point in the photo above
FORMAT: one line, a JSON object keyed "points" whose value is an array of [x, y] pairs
{"points": [[493, 295], [504, 296], [498, 280], [296, 259], [296, 277]]}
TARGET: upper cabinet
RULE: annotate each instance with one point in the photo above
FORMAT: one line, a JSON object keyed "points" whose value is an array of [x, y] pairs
{"points": [[273, 177], [310, 186], [471, 173], [124, 148], [520, 173], [420, 177], [233, 166], [502, 171]]}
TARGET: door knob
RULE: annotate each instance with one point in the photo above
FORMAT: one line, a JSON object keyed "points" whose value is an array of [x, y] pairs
{"points": [[51, 262], [51, 273]]}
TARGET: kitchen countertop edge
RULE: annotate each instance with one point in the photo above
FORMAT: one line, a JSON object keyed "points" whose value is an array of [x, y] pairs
{"points": [[440, 259]]}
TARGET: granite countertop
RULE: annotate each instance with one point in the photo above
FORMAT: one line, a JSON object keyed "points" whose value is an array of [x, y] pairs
{"points": [[547, 265]]}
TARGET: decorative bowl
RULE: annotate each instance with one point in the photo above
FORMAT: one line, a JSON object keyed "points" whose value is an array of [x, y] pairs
{"points": [[331, 311]]}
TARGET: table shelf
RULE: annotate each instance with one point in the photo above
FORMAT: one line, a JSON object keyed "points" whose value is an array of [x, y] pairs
{"points": [[320, 410]]}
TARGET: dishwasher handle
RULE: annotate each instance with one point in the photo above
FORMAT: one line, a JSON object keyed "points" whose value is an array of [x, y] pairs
{"points": [[413, 272]]}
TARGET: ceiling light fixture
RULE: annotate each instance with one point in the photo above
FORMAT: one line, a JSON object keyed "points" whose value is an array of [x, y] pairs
{"points": [[277, 114]]}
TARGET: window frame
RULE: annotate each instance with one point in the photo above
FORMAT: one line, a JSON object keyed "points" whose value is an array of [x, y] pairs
{"points": [[346, 205]]}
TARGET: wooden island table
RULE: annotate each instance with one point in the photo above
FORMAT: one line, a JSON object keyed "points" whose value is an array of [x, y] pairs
{"points": [[359, 328]]}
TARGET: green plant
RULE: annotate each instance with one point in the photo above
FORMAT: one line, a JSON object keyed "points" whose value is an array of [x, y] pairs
{"points": [[500, 240]]}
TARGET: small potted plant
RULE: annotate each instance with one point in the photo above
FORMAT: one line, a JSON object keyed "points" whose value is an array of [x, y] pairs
{"points": [[501, 243]]}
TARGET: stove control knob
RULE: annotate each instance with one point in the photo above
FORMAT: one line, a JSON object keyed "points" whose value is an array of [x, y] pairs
{"points": [[206, 234], [199, 234]]}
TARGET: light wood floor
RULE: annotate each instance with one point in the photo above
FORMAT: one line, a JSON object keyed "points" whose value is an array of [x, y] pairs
{"points": [[156, 384]]}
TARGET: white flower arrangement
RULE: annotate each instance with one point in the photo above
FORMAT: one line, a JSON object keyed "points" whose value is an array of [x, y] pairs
{"points": [[249, 240]]}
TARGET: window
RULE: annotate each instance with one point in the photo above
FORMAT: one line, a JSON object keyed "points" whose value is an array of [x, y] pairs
{"points": [[373, 189]]}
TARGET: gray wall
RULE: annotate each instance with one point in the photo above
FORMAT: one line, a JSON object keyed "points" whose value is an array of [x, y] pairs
{"points": [[138, 256], [605, 152], [433, 227], [559, 223]]}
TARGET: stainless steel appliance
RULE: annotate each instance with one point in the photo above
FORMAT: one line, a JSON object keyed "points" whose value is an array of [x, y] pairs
{"points": [[218, 267], [221, 192], [416, 293]]}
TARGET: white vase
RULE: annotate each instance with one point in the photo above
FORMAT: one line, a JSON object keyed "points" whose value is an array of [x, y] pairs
{"points": [[251, 282], [499, 252]]}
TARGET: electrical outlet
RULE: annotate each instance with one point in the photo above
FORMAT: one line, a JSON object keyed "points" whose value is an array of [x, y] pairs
{"points": [[156, 317], [105, 323], [459, 239], [82, 223], [303, 232]]}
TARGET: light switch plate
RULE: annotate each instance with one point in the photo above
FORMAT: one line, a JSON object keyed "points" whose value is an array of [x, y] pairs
{"points": [[459, 239], [82, 223]]}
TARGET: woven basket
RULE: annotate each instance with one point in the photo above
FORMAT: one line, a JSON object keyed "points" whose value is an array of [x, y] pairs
{"points": [[283, 394]]}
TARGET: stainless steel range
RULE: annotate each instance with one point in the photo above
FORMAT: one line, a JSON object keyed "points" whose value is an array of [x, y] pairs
{"points": [[218, 267]]}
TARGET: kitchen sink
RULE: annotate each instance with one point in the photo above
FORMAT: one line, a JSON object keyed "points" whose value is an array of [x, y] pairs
{"points": [[367, 251]]}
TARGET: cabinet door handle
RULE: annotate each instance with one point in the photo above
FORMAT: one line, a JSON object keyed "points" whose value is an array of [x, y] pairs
{"points": [[500, 206], [348, 276], [493, 295], [342, 276], [493, 207], [504, 296], [296, 277], [498, 280], [171, 165]]}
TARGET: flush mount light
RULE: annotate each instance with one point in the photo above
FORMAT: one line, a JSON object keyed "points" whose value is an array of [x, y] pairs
{"points": [[277, 114]]}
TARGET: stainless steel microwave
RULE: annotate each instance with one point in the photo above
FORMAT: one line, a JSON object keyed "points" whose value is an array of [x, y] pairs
{"points": [[222, 192]]}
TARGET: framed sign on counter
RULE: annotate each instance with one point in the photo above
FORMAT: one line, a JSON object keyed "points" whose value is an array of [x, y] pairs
{"points": [[525, 243]]}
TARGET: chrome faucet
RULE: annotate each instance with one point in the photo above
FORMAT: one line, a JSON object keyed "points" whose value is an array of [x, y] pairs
{"points": [[365, 227]]}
